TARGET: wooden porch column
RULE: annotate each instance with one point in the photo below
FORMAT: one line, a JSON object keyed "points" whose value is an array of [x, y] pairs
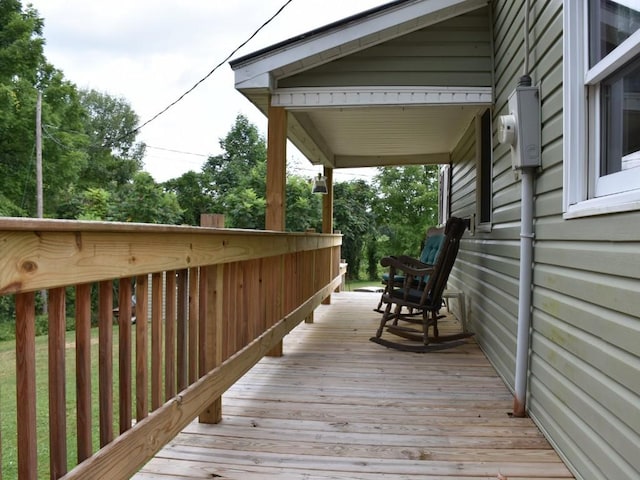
{"points": [[276, 168], [327, 202], [276, 185], [327, 212]]}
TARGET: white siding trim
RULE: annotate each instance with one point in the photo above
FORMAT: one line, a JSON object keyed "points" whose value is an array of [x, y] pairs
{"points": [[292, 98]]}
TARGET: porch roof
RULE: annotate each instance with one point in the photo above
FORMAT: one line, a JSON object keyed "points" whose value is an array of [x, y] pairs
{"points": [[394, 85]]}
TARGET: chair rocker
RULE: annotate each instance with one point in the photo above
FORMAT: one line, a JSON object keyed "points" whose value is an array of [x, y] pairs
{"points": [[420, 295], [429, 254]]}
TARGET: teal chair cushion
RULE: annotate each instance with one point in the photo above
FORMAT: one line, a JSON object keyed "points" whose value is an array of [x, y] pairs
{"points": [[428, 255], [431, 248]]}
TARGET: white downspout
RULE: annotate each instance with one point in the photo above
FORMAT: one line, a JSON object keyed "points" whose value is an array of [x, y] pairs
{"points": [[524, 303]]}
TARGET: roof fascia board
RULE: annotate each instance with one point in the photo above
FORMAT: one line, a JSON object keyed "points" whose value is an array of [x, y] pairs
{"points": [[305, 98], [255, 72]]}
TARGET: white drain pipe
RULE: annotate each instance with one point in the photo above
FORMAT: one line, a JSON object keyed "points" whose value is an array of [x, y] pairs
{"points": [[524, 303]]}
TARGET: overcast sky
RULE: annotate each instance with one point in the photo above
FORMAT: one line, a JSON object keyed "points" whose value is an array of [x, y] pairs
{"points": [[150, 52]]}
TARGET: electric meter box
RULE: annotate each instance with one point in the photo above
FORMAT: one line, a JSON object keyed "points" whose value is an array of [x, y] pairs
{"points": [[521, 128]]}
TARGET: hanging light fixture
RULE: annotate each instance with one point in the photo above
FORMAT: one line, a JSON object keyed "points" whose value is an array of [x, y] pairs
{"points": [[320, 185]]}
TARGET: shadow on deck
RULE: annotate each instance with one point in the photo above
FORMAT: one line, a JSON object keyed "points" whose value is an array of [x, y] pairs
{"points": [[339, 406]]}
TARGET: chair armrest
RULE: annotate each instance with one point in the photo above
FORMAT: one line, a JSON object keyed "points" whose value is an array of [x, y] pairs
{"points": [[409, 265]]}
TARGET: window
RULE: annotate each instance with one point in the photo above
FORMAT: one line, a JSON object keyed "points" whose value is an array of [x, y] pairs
{"points": [[484, 172], [601, 107]]}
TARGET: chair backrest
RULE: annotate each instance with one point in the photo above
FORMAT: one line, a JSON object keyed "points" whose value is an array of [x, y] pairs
{"points": [[433, 243], [453, 231]]}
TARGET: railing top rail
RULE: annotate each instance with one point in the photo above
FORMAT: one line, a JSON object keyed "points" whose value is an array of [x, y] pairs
{"points": [[55, 225], [40, 254]]}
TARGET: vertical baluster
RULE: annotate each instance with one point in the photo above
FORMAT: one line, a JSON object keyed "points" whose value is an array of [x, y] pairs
{"points": [[26, 385], [105, 361], [170, 337], [83, 370], [156, 340], [124, 353], [182, 330], [193, 324], [57, 384], [142, 365], [252, 296], [202, 321]]}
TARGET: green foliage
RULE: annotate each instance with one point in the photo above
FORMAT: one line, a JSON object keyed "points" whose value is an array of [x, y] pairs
{"points": [[190, 191], [95, 205], [114, 157], [354, 217], [406, 206], [143, 200], [303, 207]]}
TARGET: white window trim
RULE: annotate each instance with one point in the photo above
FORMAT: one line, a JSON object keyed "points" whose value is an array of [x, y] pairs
{"points": [[578, 168], [445, 193]]}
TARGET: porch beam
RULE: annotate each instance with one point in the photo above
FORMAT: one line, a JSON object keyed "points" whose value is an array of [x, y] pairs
{"points": [[353, 161], [328, 97]]}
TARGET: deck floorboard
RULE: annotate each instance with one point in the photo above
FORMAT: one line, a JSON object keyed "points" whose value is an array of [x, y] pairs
{"points": [[337, 406]]}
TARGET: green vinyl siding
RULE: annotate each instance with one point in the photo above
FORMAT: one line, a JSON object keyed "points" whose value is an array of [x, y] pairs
{"points": [[455, 52], [584, 375]]}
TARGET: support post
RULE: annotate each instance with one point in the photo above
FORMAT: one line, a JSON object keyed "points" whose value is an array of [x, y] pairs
{"points": [[276, 169], [327, 215], [213, 322], [276, 183]]}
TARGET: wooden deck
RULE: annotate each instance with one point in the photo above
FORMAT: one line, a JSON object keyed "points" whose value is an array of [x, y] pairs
{"points": [[339, 406]]}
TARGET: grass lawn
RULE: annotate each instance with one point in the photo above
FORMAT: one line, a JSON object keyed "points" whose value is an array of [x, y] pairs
{"points": [[351, 285], [8, 401]]}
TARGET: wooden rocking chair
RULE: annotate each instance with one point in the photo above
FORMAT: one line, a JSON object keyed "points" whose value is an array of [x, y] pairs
{"points": [[422, 296], [429, 254]]}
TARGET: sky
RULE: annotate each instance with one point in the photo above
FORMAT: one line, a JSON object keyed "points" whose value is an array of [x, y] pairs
{"points": [[149, 52]]}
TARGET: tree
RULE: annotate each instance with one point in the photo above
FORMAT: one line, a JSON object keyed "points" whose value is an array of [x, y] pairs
{"points": [[190, 190], [406, 206], [114, 155], [354, 217], [21, 55], [142, 200], [303, 207]]}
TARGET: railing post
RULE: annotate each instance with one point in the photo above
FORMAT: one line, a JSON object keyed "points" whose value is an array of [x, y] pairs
{"points": [[211, 325]]}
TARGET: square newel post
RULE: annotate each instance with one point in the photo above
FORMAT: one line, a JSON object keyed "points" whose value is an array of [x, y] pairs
{"points": [[327, 214], [212, 323], [276, 185]]}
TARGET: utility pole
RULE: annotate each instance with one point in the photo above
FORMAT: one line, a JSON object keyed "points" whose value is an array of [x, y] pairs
{"points": [[39, 196], [39, 201]]}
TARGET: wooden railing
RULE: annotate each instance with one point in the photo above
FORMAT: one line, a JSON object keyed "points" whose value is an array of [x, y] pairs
{"points": [[209, 304]]}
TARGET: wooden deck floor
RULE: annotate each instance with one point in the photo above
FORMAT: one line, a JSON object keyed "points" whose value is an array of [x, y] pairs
{"points": [[338, 406]]}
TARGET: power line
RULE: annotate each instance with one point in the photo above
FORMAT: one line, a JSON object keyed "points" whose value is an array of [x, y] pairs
{"points": [[178, 151], [164, 110]]}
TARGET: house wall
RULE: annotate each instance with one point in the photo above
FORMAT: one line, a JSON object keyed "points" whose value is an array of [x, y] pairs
{"points": [[453, 52], [584, 380]]}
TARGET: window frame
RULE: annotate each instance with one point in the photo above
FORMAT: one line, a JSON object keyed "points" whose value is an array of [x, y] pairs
{"points": [[484, 171], [585, 193]]}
